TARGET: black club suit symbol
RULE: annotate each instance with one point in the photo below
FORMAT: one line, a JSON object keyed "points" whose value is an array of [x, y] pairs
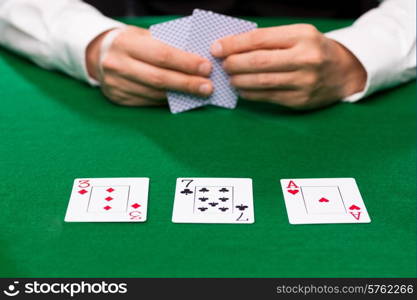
{"points": [[241, 207], [223, 199], [223, 209], [186, 191], [204, 190], [223, 190], [203, 199]]}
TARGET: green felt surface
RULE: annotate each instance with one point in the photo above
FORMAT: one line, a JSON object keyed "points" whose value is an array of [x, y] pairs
{"points": [[54, 129]]}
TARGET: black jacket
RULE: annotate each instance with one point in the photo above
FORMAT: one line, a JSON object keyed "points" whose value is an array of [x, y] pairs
{"points": [[293, 8]]}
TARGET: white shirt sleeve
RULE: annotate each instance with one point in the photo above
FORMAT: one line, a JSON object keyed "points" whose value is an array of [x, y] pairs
{"points": [[384, 41], [52, 33]]}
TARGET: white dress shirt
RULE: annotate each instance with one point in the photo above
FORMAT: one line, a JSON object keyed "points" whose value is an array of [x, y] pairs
{"points": [[384, 41], [55, 34]]}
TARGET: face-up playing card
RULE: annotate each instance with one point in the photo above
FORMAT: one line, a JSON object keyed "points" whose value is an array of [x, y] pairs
{"points": [[108, 200], [213, 200], [175, 33], [324, 200]]}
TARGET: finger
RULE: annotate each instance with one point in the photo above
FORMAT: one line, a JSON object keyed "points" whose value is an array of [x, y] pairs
{"points": [[159, 78], [262, 81], [125, 99], [133, 88], [287, 98], [151, 101], [162, 55], [141, 101], [260, 61], [263, 38]]}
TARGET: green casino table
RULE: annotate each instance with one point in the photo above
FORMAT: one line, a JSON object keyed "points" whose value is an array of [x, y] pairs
{"points": [[54, 129]]}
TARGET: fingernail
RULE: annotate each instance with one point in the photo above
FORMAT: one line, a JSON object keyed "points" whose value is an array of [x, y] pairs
{"points": [[216, 49], [205, 89], [204, 69]]}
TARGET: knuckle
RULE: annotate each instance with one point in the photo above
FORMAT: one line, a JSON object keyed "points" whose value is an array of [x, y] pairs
{"points": [[109, 81], [265, 79], [127, 33], [156, 79], [158, 95], [245, 94], [123, 39], [314, 57], [163, 57], [311, 79], [136, 102], [229, 62], [309, 30], [108, 92], [250, 95], [259, 61], [110, 64], [114, 97], [317, 57]]}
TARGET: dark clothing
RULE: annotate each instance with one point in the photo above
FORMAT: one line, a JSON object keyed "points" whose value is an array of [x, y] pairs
{"points": [[291, 8]]}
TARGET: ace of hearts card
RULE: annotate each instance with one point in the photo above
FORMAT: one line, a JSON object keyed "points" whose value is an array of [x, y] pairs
{"points": [[324, 200]]}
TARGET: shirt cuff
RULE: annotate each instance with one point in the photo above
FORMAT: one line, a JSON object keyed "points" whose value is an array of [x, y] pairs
{"points": [[73, 35], [381, 41], [349, 38]]}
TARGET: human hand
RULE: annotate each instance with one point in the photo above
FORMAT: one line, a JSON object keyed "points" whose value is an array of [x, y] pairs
{"points": [[294, 66], [138, 70]]}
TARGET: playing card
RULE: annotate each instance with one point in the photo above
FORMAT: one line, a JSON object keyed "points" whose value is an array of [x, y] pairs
{"points": [[324, 200], [108, 200], [175, 33], [205, 28], [213, 200]]}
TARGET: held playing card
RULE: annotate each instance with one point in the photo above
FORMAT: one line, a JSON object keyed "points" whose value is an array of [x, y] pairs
{"points": [[175, 33], [108, 200], [195, 34], [213, 200], [205, 28], [324, 200]]}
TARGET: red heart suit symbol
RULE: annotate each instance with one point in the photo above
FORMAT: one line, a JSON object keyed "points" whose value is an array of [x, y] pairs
{"points": [[353, 207], [323, 200], [293, 191]]}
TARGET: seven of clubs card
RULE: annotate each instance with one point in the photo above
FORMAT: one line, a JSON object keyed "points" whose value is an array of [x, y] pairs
{"points": [[325, 200], [108, 200], [213, 200]]}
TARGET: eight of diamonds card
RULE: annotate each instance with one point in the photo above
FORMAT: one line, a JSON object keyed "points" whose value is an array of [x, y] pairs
{"points": [[213, 200], [108, 200], [324, 200]]}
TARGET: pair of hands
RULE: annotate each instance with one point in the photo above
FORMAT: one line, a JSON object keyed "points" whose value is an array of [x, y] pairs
{"points": [[295, 66]]}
